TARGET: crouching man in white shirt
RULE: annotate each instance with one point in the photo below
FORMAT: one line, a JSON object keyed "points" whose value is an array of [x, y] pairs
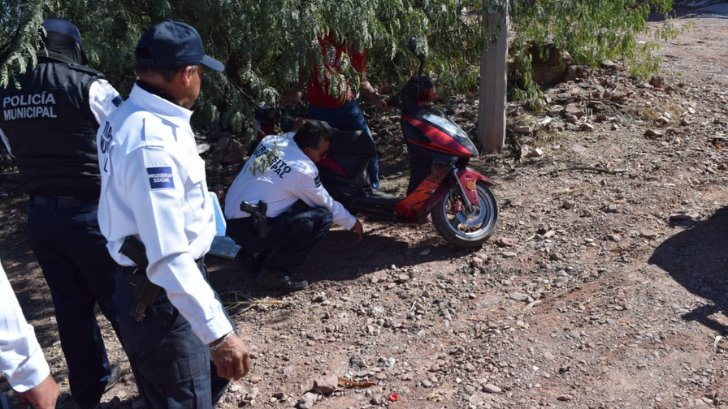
{"points": [[288, 210]]}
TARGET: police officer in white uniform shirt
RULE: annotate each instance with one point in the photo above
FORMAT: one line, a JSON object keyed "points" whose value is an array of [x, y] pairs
{"points": [[153, 190], [298, 209], [49, 123], [21, 359]]}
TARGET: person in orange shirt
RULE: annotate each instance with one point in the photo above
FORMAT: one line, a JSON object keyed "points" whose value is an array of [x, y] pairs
{"points": [[332, 100]]}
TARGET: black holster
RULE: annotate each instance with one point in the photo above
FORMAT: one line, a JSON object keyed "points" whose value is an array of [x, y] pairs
{"points": [[258, 215], [143, 290]]}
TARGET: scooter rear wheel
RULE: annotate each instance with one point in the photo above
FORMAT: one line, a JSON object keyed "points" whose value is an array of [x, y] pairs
{"points": [[461, 226]]}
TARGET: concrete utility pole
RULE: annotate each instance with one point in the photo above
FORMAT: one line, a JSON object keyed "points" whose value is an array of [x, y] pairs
{"points": [[493, 68]]}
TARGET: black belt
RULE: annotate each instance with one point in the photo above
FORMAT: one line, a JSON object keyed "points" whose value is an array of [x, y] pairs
{"points": [[58, 201]]}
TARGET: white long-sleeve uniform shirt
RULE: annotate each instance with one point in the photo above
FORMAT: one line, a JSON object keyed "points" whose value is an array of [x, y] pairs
{"points": [[102, 99], [21, 358], [153, 186], [289, 177]]}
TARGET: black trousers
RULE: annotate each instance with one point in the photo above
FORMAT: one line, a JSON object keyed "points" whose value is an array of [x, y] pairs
{"points": [[293, 234], [171, 365], [72, 253]]}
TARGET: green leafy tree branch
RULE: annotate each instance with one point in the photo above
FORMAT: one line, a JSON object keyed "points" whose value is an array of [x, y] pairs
{"points": [[267, 46]]}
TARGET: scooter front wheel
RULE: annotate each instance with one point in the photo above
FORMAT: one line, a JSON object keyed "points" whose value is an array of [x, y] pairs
{"points": [[462, 225]]}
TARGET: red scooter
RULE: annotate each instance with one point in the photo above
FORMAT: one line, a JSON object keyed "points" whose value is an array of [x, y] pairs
{"points": [[464, 210]]}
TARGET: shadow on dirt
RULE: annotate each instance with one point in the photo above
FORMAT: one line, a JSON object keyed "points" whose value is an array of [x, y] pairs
{"points": [[697, 259], [338, 257]]}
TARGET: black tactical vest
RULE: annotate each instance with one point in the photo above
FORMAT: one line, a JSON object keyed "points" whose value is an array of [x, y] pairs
{"points": [[51, 129]]}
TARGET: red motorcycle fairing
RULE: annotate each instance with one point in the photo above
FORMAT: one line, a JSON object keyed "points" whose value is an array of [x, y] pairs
{"points": [[468, 178], [414, 206], [431, 130]]}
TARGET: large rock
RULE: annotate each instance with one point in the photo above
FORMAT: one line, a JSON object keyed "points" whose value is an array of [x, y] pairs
{"points": [[306, 401], [326, 384]]}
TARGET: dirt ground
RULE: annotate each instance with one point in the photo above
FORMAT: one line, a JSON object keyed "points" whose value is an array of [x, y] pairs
{"points": [[603, 287]]}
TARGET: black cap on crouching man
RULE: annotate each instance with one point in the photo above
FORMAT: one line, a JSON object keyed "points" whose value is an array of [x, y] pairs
{"points": [[172, 44]]}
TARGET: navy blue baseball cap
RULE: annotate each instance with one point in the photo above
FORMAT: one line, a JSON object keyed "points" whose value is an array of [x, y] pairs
{"points": [[65, 27], [172, 44]]}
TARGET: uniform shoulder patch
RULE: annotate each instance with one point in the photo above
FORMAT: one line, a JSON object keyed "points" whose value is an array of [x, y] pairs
{"points": [[317, 180], [160, 177]]}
